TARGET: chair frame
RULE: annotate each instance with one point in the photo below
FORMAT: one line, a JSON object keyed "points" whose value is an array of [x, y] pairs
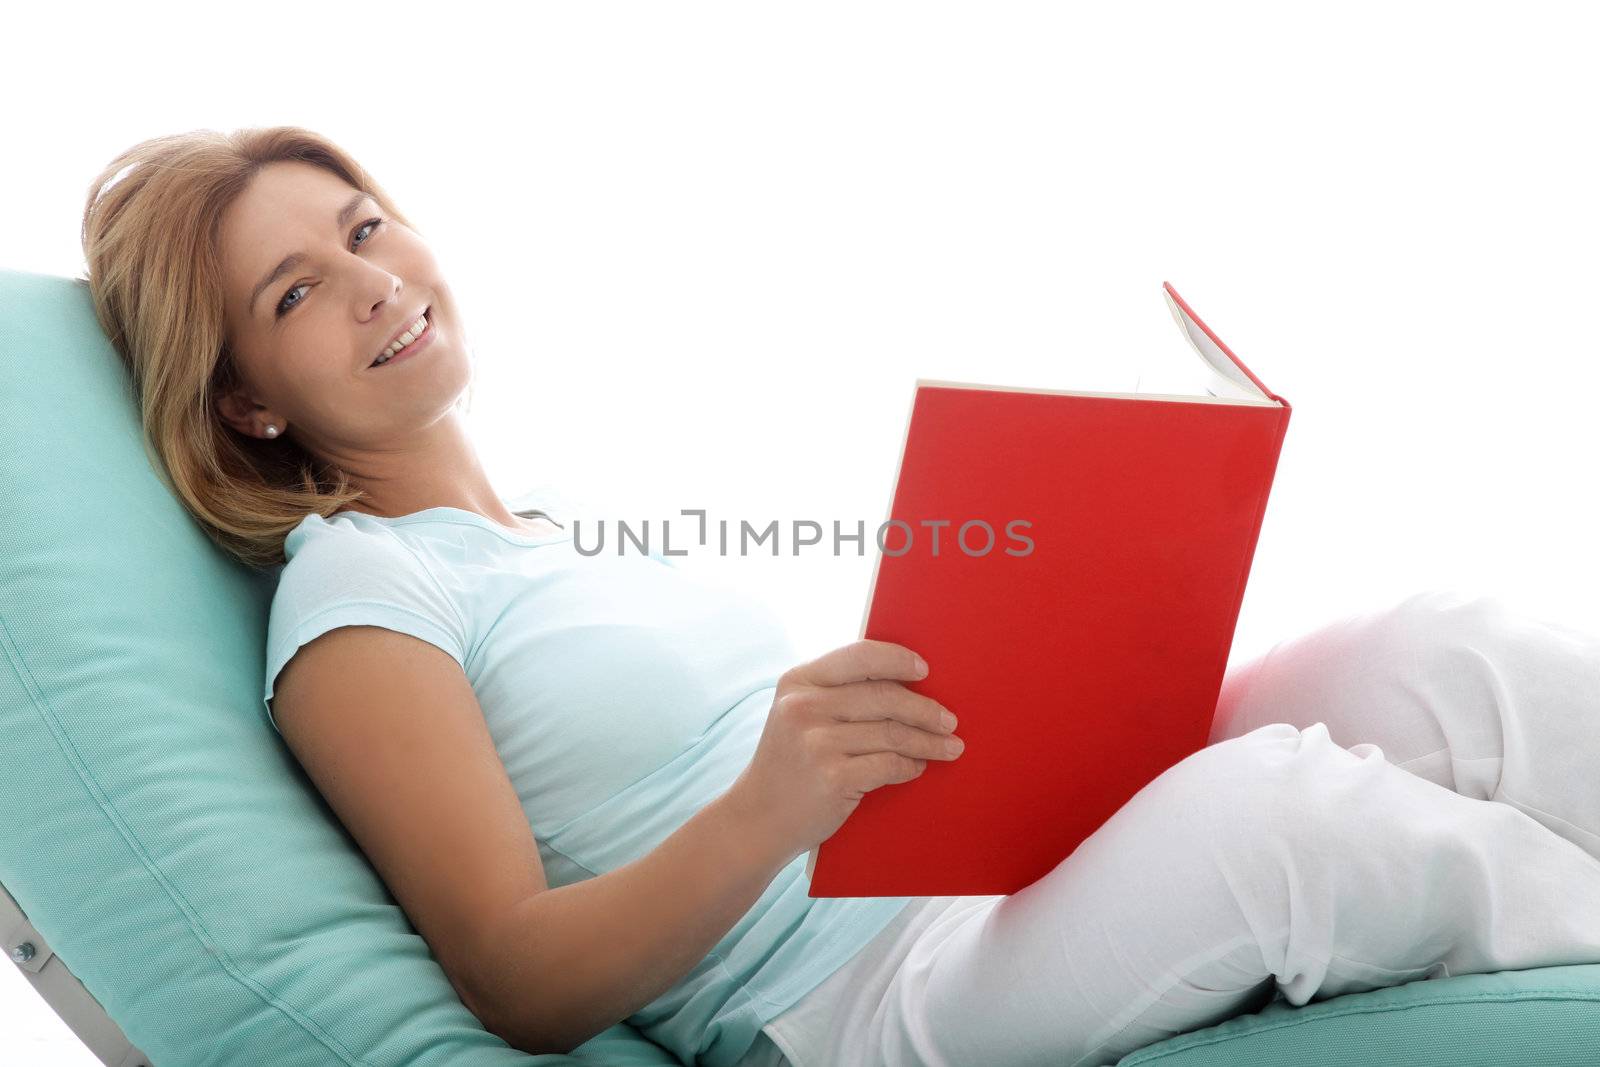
{"points": [[68, 998]]}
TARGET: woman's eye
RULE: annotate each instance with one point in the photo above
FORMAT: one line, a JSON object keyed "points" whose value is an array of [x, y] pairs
{"points": [[369, 222], [284, 305]]}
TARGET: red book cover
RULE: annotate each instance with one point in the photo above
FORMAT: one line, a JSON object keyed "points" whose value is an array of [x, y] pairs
{"points": [[1082, 640]]}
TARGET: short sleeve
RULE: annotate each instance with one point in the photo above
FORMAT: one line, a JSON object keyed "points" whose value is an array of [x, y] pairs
{"points": [[340, 573]]}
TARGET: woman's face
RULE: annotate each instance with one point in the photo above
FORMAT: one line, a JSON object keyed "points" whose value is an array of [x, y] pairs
{"points": [[305, 340]]}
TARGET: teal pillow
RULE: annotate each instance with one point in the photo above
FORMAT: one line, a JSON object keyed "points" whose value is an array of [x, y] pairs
{"points": [[1541, 1017], [155, 829]]}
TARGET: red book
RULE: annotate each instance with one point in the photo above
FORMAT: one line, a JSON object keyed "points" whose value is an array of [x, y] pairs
{"points": [[1084, 651]]}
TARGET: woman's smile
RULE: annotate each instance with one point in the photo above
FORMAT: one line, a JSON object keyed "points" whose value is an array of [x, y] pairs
{"points": [[418, 343]]}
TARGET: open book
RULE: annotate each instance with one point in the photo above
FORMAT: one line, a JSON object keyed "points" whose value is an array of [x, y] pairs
{"points": [[1071, 566]]}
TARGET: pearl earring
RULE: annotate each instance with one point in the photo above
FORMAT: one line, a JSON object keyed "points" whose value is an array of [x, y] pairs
{"points": [[272, 431]]}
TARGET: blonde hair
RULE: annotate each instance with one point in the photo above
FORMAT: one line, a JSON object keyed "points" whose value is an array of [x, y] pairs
{"points": [[150, 240]]}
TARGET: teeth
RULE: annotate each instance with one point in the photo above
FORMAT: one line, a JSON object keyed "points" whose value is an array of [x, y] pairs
{"points": [[412, 333]]}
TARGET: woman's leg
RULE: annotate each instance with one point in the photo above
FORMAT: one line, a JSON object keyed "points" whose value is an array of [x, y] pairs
{"points": [[1463, 690], [1278, 859]]}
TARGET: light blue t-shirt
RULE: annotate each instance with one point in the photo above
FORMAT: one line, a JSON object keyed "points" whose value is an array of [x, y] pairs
{"points": [[623, 694]]}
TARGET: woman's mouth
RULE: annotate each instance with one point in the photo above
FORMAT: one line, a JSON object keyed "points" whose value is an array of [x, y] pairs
{"points": [[419, 341]]}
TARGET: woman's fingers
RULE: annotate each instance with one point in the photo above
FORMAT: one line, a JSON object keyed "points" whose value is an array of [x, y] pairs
{"points": [[887, 735], [859, 661]]}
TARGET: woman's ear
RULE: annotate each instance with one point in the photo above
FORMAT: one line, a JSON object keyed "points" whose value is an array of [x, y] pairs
{"points": [[251, 419]]}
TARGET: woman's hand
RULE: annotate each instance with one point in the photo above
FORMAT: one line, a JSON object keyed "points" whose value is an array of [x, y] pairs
{"points": [[840, 726]]}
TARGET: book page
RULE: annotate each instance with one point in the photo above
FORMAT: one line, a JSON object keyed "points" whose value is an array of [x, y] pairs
{"points": [[1164, 369], [1218, 375], [1183, 375]]}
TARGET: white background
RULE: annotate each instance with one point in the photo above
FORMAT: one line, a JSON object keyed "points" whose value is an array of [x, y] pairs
{"points": [[704, 250]]}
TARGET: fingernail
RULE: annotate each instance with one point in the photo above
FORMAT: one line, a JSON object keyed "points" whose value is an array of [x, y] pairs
{"points": [[949, 721], [921, 664]]}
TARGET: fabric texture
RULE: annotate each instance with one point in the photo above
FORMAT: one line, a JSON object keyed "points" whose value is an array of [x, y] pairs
{"points": [[154, 829], [1458, 838], [820, 1028], [622, 693], [763, 1053]]}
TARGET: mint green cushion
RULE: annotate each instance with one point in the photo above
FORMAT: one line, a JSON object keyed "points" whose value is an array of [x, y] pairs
{"points": [[164, 841], [1545, 1017], [155, 829]]}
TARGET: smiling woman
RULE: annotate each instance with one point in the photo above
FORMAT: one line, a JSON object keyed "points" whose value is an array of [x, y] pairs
{"points": [[254, 282], [452, 679]]}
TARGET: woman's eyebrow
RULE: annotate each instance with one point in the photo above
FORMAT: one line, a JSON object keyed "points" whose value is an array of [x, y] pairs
{"points": [[294, 259]]}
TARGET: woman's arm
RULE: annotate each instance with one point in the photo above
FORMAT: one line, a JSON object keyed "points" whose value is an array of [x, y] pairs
{"points": [[580, 958], [577, 959]]}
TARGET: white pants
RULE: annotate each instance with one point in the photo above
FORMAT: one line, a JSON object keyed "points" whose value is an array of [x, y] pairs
{"points": [[1404, 794]]}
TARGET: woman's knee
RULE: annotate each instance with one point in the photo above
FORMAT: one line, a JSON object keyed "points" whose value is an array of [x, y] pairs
{"points": [[1384, 675], [1354, 670], [1445, 632], [1445, 623], [1276, 781], [1483, 651]]}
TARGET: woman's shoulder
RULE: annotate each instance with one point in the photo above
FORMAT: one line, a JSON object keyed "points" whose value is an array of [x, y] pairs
{"points": [[346, 557], [339, 535]]}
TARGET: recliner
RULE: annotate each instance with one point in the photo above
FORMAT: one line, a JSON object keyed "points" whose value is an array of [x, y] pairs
{"points": [[157, 833]]}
